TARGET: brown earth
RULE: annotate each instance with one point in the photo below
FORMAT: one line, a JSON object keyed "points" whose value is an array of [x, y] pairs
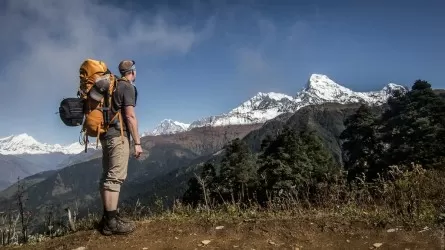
{"points": [[251, 234]]}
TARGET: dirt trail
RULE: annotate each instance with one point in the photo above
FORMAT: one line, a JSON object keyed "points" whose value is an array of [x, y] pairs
{"points": [[270, 234]]}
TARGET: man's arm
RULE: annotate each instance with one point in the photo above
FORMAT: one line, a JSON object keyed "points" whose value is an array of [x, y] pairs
{"points": [[132, 123]]}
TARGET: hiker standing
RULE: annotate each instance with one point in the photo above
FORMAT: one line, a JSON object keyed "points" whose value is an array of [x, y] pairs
{"points": [[116, 150]]}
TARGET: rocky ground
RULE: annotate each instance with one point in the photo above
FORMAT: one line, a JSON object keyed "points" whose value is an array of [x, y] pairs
{"points": [[251, 234]]}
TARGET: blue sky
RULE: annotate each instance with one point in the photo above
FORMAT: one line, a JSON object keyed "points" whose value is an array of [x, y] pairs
{"points": [[191, 55]]}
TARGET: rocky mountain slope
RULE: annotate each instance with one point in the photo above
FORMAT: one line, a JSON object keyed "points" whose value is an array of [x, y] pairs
{"points": [[265, 106], [12, 167]]}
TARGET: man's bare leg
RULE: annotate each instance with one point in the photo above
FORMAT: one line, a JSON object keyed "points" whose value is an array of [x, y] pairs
{"points": [[110, 200]]}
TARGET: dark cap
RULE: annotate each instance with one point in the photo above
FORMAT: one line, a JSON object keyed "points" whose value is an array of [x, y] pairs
{"points": [[126, 66], [101, 86]]}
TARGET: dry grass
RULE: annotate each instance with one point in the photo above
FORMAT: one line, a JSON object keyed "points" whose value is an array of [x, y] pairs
{"points": [[413, 199]]}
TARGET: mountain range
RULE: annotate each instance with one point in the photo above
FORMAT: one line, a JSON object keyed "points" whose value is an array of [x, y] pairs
{"points": [[24, 144], [265, 106], [258, 109], [26, 156], [21, 156]]}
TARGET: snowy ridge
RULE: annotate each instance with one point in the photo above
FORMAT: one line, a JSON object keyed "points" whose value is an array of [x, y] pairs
{"points": [[25, 144], [266, 106], [168, 126], [258, 109], [321, 89]]}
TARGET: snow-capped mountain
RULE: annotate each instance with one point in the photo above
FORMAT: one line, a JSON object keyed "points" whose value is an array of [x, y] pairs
{"points": [[319, 89], [21, 155], [258, 109], [26, 144], [168, 126]]}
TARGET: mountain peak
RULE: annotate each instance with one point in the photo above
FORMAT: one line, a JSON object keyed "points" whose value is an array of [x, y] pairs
{"points": [[22, 138], [392, 87], [167, 126], [26, 144], [318, 77], [323, 83]]}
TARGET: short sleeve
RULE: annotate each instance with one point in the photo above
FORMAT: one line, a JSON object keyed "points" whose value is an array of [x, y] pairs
{"points": [[128, 95]]}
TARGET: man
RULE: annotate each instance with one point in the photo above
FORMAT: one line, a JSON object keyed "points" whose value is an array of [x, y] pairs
{"points": [[116, 152]]}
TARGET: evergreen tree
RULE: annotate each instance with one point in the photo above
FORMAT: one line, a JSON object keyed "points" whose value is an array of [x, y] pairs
{"points": [[276, 161], [294, 161], [237, 177], [414, 127], [193, 195], [202, 188], [361, 146], [210, 180]]}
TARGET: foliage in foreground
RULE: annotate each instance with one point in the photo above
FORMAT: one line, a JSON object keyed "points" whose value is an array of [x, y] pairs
{"points": [[405, 201]]}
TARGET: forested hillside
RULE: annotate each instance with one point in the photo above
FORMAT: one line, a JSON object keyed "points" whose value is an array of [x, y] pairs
{"points": [[392, 161]]}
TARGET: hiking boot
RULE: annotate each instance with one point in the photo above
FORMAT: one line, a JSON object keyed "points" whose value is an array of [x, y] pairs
{"points": [[117, 226], [119, 216], [101, 223]]}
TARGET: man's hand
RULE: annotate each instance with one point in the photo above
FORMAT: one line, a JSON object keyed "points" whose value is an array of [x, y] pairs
{"points": [[137, 151]]}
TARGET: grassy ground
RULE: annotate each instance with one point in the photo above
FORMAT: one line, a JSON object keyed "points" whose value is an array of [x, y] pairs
{"points": [[405, 214], [233, 229]]}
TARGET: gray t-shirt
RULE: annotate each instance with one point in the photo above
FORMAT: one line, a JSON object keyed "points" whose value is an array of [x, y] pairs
{"points": [[124, 95]]}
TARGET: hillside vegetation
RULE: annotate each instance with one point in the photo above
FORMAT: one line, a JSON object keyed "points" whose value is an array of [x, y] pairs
{"points": [[383, 166], [393, 165]]}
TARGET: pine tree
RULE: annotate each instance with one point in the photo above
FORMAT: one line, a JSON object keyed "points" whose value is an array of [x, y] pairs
{"points": [[210, 179], [276, 161], [202, 188], [414, 127], [194, 193], [294, 161], [361, 147], [238, 178]]}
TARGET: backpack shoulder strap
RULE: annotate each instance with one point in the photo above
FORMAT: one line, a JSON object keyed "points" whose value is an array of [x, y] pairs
{"points": [[118, 115]]}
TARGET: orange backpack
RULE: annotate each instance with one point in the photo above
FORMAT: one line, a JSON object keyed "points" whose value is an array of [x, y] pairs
{"points": [[96, 88]]}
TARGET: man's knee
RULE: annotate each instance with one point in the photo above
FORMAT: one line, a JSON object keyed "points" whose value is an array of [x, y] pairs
{"points": [[114, 186], [111, 185]]}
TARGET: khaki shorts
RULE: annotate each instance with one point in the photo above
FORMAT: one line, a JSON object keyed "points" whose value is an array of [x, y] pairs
{"points": [[115, 156]]}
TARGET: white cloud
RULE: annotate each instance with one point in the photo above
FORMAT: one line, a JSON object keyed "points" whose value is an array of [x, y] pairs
{"points": [[268, 60], [252, 61], [47, 40], [59, 35]]}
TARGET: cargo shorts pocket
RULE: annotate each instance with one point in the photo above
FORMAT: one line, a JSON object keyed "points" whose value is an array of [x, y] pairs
{"points": [[115, 172]]}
